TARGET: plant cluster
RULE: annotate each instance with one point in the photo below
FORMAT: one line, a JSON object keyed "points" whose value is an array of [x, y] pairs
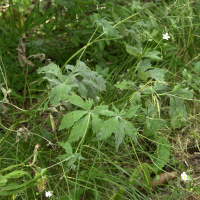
{"points": [[96, 93]]}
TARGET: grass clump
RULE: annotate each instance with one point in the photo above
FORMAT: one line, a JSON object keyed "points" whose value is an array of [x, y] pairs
{"points": [[99, 100]]}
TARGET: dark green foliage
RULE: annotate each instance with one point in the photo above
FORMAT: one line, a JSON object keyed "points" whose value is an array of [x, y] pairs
{"points": [[121, 91]]}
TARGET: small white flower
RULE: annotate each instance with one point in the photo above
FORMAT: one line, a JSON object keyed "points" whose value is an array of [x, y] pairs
{"points": [[98, 8], [48, 194], [166, 36], [97, 98], [184, 176]]}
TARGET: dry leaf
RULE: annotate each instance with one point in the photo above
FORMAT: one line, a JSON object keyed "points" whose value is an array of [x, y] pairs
{"points": [[40, 56], [23, 131], [52, 123], [5, 93], [22, 53], [164, 178], [41, 181]]}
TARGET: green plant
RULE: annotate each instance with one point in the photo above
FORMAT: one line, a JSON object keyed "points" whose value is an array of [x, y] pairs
{"points": [[107, 120]]}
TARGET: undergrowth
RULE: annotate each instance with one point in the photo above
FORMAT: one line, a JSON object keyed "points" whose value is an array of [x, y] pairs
{"points": [[99, 100]]}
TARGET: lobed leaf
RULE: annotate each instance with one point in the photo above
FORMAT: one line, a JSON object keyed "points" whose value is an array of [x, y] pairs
{"points": [[107, 128], [79, 129], [131, 112], [182, 92], [177, 112], [126, 85], [66, 146], [163, 152], [59, 93], [119, 134], [157, 74], [153, 55], [108, 113], [96, 123], [99, 109], [70, 118], [78, 101]]}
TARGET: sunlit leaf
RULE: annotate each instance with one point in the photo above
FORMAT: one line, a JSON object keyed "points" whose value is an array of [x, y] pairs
{"points": [[119, 135], [162, 154], [107, 128], [66, 146], [70, 118], [79, 129], [78, 101]]}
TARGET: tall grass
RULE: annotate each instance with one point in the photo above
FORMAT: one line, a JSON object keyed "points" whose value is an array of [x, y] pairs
{"points": [[153, 78]]}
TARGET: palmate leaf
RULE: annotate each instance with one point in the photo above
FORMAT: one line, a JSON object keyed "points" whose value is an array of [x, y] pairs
{"points": [[121, 26], [74, 158], [127, 85], [96, 120], [99, 109], [143, 75], [59, 93], [109, 30], [85, 79], [119, 127], [135, 51], [152, 125], [108, 113], [144, 65], [130, 113], [81, 78], [70, 118], [115, 109], [50, 69], [136, 99], [79, 129], [177, 112], [96, 123], [182, 92], [82, 89], [119, 134], [92, 87], [157, 74], [107, 128], [130, 130], [78, 101], [163, 152], [152, 55], [67, 147], [158, 88], [138, 52], [64, 157]]}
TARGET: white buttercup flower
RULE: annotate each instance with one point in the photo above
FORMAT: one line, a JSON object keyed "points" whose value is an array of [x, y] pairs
{"points": [[166, 36], [184, 176], [48, 194]]}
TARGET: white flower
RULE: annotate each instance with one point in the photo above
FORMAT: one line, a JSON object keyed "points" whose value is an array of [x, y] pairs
{"points": [[184, 176], [166, 36], [98, 8], [48, 194], [97, 98]]}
